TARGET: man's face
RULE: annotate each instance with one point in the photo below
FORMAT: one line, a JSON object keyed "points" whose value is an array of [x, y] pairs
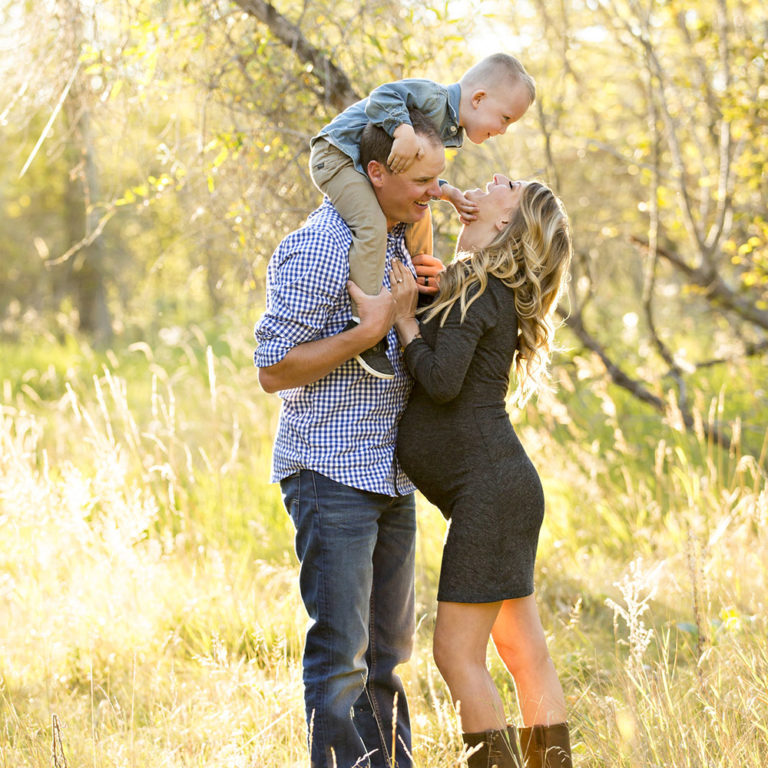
{"points": [[404, 197]]}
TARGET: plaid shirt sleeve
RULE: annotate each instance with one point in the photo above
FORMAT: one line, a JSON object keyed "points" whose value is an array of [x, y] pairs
{"points": [[306, 282]]}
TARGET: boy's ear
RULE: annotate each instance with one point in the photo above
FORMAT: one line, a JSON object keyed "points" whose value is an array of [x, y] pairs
{"points": [[478, 96], [376, 173]]}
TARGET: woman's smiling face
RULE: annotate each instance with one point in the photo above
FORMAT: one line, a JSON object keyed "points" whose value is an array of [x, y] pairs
{"points": [[496, 206]]}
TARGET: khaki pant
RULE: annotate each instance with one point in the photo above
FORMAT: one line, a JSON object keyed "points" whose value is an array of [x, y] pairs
{"points": [[353, 197]]}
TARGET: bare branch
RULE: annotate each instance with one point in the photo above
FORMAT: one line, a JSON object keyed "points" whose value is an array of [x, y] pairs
{"points": [[85, 241], [725, 157], [750, 350], [649, 285], [717, 291], [336, 85], [635, 387], [702, 76], [551, 164], [51, 119], [671, 125]]}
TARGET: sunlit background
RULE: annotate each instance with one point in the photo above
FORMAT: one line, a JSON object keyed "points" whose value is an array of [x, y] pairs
{"points": [[155, 153]]}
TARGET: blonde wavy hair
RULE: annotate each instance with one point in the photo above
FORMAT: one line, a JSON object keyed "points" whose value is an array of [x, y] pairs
{"points": [[531, 255]]}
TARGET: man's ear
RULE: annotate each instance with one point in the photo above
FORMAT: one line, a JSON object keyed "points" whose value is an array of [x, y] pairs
{"points": [[477, 97], [376, 173]]}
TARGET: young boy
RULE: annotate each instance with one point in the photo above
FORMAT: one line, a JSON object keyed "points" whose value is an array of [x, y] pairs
{"points": [[490, 96]]}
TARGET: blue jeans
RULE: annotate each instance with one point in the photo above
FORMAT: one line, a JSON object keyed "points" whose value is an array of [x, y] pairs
{"points": [[357, 562]]}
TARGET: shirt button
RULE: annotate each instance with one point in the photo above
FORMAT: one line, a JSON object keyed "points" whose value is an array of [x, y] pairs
{"points": [[453, 129]]}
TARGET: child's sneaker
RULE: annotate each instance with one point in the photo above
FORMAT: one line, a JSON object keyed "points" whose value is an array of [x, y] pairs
{"points": [[374, 359]]}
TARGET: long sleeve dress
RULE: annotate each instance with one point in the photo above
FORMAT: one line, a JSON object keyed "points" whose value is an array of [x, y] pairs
{"points": [[457, 445]]}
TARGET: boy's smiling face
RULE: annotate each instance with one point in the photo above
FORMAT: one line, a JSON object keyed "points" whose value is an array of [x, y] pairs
{"points": [[490, 112]]}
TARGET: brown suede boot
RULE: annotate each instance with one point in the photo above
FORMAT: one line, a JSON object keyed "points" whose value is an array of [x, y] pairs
{"points": [[498, 749], [546, 746]]}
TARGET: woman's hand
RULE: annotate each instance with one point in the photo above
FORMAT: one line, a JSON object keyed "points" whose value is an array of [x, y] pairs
{"points": [[405, 296], [428, 269], [402, 286]]}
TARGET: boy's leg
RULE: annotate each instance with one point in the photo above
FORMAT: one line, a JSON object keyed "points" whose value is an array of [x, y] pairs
{"points": [[418, 236], [352, 195]]}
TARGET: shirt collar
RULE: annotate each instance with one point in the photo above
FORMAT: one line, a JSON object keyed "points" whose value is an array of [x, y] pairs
{"points": [[454, 99]]}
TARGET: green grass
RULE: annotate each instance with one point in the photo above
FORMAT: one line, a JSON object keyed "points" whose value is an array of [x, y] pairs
{"points": [[148, 591]]}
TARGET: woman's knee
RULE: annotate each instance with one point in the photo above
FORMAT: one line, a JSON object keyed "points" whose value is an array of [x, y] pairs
{"points": [[442, 652], [522, 654], [452, 657]]}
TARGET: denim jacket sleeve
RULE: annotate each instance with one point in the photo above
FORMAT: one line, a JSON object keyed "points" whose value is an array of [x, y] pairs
{"points": [[389, 103]]}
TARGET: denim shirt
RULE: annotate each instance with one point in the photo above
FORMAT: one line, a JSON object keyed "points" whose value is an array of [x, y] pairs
{"points": [[388, 105]]}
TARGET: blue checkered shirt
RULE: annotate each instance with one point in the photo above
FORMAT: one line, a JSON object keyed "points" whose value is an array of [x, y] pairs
{"points": [[343, 426]]}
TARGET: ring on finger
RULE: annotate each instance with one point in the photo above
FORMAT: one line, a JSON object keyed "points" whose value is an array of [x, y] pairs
{"points": [[426, 281]]}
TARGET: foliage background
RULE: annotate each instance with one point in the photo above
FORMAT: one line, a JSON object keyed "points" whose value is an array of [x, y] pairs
{"points": [[154, 155]]}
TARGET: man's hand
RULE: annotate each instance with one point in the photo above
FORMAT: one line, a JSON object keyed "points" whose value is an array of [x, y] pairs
{"points": [[406, 148], [466, 209], [377, 313], [313, 360], [428, 269]]}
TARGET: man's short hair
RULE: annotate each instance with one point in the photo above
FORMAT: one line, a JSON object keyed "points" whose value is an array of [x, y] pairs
{"points": [[496, 69], [376, 143]]}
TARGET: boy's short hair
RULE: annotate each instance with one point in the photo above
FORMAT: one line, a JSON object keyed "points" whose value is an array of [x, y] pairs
{"points": [[376, 143], [495, 68]]}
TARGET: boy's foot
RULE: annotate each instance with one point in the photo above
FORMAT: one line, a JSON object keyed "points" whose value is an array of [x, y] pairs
{"points": [[374, 360]]}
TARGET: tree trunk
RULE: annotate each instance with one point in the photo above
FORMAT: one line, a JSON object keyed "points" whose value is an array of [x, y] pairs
{"points": [[87, 273]]}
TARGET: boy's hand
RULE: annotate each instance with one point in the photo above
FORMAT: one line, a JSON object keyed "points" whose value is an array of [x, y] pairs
{"points": [[406, 148], [466, 209], [428, 269]]}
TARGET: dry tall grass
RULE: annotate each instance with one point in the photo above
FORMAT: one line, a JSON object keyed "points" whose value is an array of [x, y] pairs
{"points": [[148, 590]]}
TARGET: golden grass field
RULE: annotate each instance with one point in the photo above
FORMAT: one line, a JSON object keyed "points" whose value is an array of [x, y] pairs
{"points": [[148, 597]]}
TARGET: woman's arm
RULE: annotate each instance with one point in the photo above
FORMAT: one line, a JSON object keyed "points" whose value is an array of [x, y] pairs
{"points": [[442, 370]]}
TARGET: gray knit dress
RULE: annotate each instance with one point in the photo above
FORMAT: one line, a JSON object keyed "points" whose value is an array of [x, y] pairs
{"points": [[456, 443]]}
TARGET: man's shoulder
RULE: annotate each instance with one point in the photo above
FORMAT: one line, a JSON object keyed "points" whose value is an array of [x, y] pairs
{"points": [[323, 231]]}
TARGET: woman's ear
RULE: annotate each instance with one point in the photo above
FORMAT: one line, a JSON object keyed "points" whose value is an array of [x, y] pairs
{"points": [[501, 224]]}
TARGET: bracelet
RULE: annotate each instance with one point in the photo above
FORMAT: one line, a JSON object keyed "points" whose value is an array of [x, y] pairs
{"points": [[416, 335]]}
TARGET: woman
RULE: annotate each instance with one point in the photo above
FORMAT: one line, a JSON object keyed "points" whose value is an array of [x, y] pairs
{"points": [[493, 310]]}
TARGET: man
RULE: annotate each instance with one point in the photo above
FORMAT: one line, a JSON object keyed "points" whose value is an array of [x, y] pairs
{"points": [[350, 502]]}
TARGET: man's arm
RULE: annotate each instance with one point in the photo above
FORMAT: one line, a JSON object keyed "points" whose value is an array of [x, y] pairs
{"points": [[311, 361]]}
